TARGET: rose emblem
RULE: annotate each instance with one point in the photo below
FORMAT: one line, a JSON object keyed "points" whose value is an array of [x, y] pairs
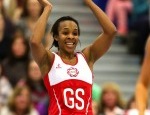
{"points": [[73, 72]]}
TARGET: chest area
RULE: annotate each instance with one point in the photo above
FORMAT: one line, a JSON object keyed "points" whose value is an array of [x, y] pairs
{"points": [[61, 72]]}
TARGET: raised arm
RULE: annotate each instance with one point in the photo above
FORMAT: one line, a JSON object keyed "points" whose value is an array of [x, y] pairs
{"points": [[143, 82], [104, 40], [42, 56]]}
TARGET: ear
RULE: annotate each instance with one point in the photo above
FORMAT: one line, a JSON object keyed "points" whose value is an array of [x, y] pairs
{"points": [[56, 38]]}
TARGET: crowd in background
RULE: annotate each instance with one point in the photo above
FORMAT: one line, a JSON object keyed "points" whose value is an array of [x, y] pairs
{"points": [[22, 90]]}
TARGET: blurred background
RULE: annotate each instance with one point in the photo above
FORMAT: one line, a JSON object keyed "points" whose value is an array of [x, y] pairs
{"points": [[115, 74]]}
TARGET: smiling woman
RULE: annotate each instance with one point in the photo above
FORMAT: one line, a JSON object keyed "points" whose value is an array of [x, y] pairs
{"points": [[66, 27], [19, 103], [68, 74]]}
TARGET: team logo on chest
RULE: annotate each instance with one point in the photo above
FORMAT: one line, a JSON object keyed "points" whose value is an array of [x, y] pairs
{"points": [[72, 72]]}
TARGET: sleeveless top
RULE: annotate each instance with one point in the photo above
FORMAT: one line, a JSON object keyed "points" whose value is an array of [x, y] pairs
{"points": [[69, 87]]}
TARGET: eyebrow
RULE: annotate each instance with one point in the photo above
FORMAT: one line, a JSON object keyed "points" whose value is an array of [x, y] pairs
{"points": [[68, 28]]}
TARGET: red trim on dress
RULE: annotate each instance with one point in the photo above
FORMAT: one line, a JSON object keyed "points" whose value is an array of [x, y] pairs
{"points": [[47, 83], [46, 78]]}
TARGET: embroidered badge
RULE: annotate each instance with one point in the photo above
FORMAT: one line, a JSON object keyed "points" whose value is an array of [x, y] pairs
{"points": [[73, 72]]}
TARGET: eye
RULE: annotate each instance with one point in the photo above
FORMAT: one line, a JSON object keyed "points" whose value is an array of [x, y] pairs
{"points": [[75, 33], [65, 33]]}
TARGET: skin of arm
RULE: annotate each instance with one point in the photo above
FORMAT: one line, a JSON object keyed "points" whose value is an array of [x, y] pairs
{"points": [[48, 41], [42, 56], [143, 82], [104, 40]]}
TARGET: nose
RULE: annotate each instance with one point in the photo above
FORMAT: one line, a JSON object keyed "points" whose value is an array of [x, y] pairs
{"points": [[70, 36]]}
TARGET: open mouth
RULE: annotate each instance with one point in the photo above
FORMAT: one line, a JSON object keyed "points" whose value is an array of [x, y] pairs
{"points": [[70, 44]]}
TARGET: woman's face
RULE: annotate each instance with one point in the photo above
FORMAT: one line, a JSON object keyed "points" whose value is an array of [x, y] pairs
{"points": [[34, 8], [2, 23], [110, 98], [34, 71], [68, 36], [18, 47], [22, 100]]}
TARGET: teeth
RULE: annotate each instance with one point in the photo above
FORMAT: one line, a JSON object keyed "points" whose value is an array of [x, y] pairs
{"points": [[69, 43]]}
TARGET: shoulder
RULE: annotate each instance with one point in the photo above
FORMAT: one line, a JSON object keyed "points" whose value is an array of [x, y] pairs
{"points": [[88, 57], [118, 110], [5, 111], [82, 56], [33, 112], [80, 53], [5, 84]]}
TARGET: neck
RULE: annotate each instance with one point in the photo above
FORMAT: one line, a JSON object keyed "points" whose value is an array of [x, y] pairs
{"points": [[66, 55], [110, 108], [20, 112]]}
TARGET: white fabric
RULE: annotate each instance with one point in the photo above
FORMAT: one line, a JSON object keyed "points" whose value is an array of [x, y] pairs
{"points": [[5, 90], [135, 112], [59, 70], [115, 111]]}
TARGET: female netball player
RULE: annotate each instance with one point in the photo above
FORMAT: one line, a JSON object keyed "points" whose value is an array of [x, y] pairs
{"points": [[67, 74], [144, 82]]}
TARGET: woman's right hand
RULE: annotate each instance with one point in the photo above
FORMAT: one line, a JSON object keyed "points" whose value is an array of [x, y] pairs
{"points": [[45, 3]]}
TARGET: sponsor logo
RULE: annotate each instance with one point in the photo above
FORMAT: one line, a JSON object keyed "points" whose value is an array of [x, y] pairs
{"points": [[58, 66]]}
